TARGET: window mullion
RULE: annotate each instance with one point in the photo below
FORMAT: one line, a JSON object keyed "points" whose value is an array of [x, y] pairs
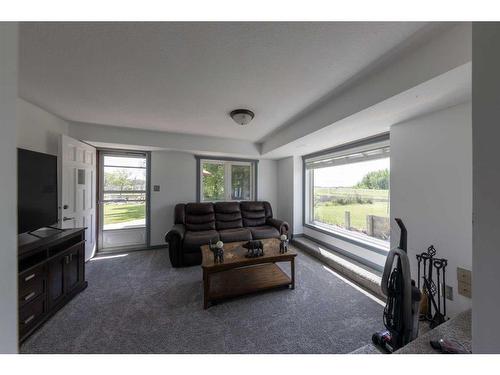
{"points": [[310, 195], [227, 180], [253, 179]]}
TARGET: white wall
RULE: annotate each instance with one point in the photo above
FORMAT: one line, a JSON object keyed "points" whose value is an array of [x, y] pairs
{"points": [[285, 189], [267, 184], [37, 129], [175, 172], [297, 195], [8, 187], [486, 204], [431, 190], [289, 188]]}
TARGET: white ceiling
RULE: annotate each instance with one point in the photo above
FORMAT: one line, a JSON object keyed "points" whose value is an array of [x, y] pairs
{"points": [[187, 77], [449, 89]]}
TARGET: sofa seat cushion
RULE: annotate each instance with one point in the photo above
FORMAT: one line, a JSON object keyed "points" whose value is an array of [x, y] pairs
{"points": [[193, 240], [235, 235], [264, 231]]}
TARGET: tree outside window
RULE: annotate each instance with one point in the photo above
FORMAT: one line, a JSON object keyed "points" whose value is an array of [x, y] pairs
{"points": [[226, 180]]}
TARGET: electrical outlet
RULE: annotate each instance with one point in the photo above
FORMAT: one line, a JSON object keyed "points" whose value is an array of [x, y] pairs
{"points": [[156, 187], [464, 275], [464, 278], [465, 290], [448, 292]]}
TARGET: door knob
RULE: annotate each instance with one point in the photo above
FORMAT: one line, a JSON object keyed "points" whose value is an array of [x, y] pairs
{"points": [[68, 218]]}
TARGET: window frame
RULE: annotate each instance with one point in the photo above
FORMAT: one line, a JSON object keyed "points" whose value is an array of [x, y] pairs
{"points": [[372, 143], [101, 152], [227, 162]]}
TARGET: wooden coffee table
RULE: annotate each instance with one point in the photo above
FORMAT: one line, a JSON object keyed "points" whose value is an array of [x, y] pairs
{"points": [[239, 275]]}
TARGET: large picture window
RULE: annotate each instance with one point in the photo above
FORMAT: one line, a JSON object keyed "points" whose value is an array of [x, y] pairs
{"points": [[347, 191], [226, 180]]}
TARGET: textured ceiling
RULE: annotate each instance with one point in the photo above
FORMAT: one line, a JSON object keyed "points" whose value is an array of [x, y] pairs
{"points": [[187, 77]]}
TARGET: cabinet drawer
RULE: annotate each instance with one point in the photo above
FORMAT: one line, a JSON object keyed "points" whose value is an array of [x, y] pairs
{"points": [[31, 291], [31, 313], [29, 278]]}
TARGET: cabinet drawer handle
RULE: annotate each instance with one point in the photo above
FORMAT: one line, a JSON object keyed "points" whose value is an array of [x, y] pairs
{"points": [[29, 319], [29, 296], [28, 278]]}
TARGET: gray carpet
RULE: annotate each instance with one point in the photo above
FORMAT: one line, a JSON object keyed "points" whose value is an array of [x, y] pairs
{"points": [[457, 329], [367, 349], [139, 304]]}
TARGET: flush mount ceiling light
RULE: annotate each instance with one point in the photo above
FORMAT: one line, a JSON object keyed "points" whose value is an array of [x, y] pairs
{"points": [[242, 116]]}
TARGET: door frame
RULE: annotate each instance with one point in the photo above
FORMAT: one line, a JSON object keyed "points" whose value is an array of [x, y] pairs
{"points": [[99, 192], [66, 141]]}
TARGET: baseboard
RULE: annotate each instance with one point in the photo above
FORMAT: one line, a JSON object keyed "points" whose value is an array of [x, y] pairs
{"points": [[128, 250], [156, 247]]}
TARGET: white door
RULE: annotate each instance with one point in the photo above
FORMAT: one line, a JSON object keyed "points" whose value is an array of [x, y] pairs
{"points": [[77, 208]]}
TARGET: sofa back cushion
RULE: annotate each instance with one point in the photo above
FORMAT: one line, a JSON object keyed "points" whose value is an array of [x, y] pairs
{"points": [[228, 215], [180, 213], [199, 216], [255, 213]]}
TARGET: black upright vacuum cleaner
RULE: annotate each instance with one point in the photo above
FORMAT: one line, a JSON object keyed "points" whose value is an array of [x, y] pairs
{"points": [[401, 313]]}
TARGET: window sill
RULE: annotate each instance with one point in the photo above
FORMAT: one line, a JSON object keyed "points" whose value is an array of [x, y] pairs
{"points": [[372, 244]]}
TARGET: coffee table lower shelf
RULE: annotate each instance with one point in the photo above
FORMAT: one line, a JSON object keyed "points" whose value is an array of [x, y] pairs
{"points": [[240, 281]]}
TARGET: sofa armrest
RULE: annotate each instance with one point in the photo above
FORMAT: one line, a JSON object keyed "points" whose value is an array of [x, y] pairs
{"points": [[175, 238], [281, 225], [177, 230]]}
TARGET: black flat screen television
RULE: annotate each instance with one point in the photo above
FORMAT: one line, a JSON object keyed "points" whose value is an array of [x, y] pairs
{"points": [[36, 190]]}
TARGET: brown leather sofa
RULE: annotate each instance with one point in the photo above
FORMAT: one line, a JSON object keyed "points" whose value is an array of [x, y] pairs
{"points": [[195, 224]]}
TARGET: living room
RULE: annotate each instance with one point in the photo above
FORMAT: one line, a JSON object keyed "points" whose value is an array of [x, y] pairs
{"points": [[238, 187]]}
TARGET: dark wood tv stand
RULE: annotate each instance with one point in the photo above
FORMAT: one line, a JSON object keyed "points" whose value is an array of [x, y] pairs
{"points": [[51, 272]]}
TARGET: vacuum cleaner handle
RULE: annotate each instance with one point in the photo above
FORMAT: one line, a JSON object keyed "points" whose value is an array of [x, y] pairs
{"points": [[403, 239]]}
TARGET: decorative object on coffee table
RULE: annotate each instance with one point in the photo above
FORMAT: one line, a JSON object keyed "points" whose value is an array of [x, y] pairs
{"points": [[283, 244], [218, 250], [239, 275], [254, 249]]}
